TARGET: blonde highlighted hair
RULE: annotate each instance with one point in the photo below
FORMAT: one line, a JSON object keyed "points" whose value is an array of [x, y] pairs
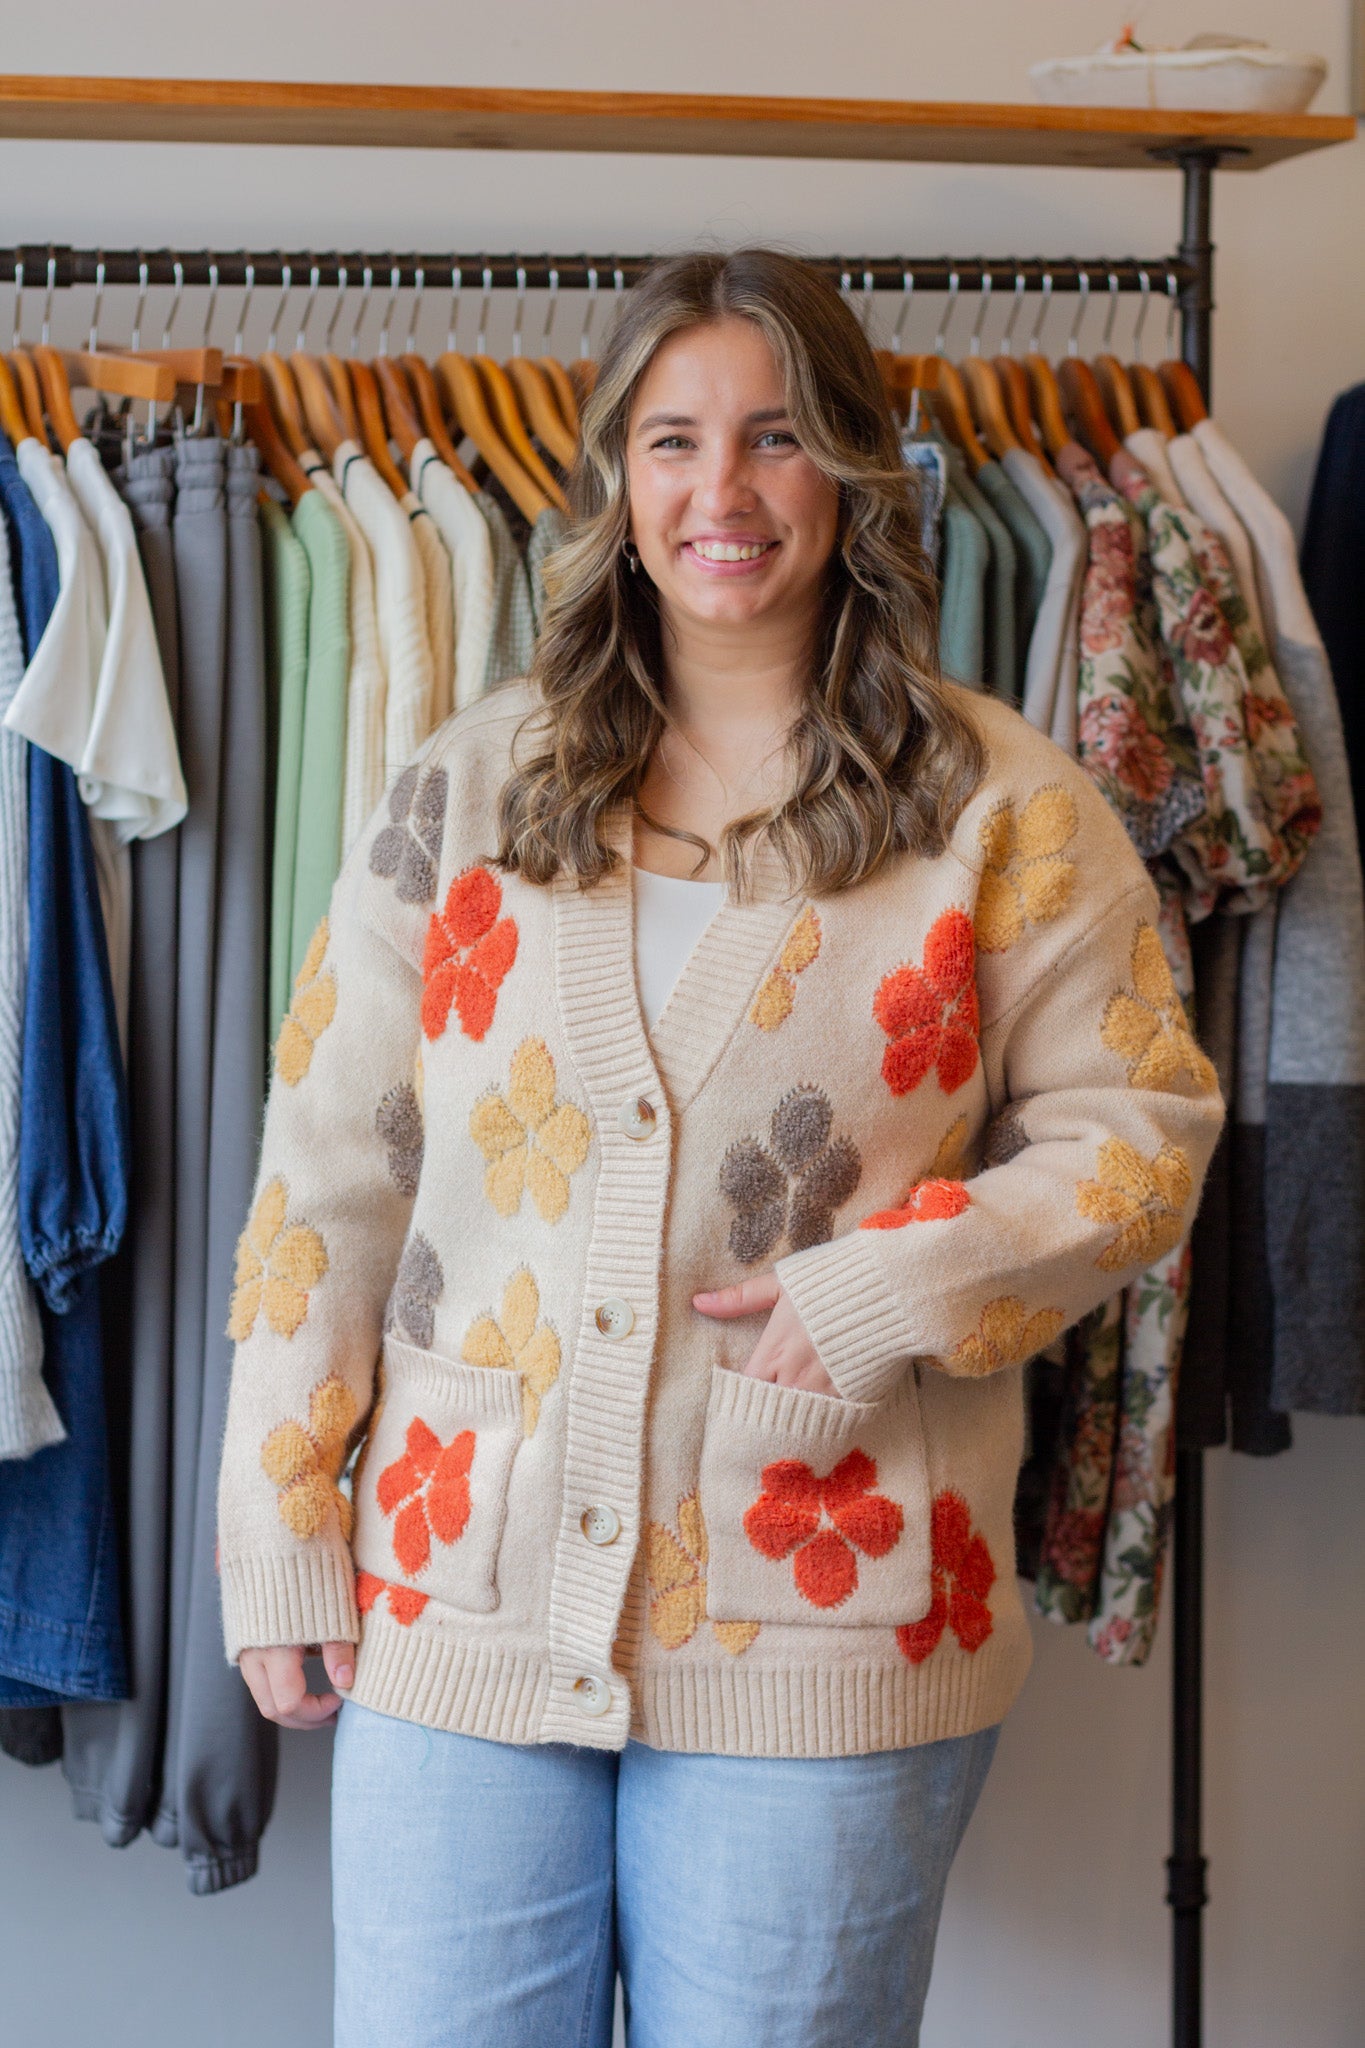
{"points": [[881, 759]]}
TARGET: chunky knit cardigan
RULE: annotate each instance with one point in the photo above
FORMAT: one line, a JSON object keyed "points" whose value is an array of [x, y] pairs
{"points": [[953, 1108]]}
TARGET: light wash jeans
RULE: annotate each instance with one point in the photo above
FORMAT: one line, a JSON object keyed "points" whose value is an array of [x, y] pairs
{"points": [[485, 1894]]}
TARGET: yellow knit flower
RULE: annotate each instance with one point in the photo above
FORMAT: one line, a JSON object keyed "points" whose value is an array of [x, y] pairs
{"points": [[517, 1339], [311, 1011], [1026, 880], [1005, 1335], [1149, 1029], [1144, 1197], [277, 1263], [675, 1561], [773, 1003], [529, 1140], [307, 1463]]}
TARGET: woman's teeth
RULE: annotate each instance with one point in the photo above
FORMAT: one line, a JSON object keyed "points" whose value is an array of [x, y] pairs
{"points": [[729, 550]]}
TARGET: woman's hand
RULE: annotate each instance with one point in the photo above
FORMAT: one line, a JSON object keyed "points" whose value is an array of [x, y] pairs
{"points": [[784, 1352], [279, 1688]]}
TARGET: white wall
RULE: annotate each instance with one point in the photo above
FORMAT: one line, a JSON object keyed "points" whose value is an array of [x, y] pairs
{"points": [[1055, 1933]]}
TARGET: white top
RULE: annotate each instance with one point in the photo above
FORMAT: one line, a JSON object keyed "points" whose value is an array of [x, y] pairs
{"points": [[437, 576], [465, 532], [1050, 678], [401, 594], [1152, 451], [671, 913]]}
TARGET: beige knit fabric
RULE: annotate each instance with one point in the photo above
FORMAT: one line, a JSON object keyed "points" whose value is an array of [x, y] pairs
{"points": [[574, 1519]]}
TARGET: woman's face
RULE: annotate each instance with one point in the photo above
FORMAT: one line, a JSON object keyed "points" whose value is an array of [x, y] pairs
{"points": [[733, 520]]}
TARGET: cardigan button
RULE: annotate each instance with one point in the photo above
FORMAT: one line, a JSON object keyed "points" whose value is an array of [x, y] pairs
{"points": [[637, 1117], [614, 1317], [591, 1695], [600, 1525]]}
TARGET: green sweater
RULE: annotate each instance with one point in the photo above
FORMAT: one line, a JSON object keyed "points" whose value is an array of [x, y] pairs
{"points": [[287, 589], [318, 840]]}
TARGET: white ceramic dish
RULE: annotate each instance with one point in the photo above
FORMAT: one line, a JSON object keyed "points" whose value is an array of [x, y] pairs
{"points": [[1233, 81]]}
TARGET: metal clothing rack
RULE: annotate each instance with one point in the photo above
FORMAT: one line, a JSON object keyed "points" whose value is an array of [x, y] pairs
{"points": [[1186, 277]]}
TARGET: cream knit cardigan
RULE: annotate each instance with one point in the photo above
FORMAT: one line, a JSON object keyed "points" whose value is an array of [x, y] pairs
{"points": [[954, 1108]]}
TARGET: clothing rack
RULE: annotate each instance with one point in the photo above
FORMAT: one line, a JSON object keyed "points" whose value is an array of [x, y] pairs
{"points": [[1196, 145]]}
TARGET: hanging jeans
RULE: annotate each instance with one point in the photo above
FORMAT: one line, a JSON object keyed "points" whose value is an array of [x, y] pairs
{"points": [[484, 1895], [60, 1626]]}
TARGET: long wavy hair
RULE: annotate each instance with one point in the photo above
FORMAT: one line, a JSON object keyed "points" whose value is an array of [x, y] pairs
{"points": [[880, 758]]}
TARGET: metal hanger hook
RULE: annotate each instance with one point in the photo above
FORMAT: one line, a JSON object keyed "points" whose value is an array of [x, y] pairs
{"points": [[1073, 343], [419, 285], [551, 303], [987, 281], [1145, 287], [869, 286], [93, 341], [143, 278], [239, 338], [946, 317], [1113, 309], [51, 291], [589, 311], [197, 423], [178, 273], [18, 298], [287, 281], [366, 294], [343, 280], [1045, 290], [484, 303], [520, 313], [1006, 339], [456, 287], [907, 297], [395, 283], [314, 283], [1172, 307]]}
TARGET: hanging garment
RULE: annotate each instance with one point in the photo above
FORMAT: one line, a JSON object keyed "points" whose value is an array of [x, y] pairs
{"points": [[367, 685], [998, 665], [962, 592], [400, 603], [112, 1753], [322, 765], [467, 538], [60, 1626], [1132, 739], [219, 1779], [28, 1419], [286, 582], [1150, 449], [925, 456], [1052, 656], [513, 637], [440, 607], [1032, 555], [1202, 492], [548, 533]]}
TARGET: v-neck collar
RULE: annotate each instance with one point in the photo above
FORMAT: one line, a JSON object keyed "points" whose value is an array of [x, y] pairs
{"points": [[595, 970]]}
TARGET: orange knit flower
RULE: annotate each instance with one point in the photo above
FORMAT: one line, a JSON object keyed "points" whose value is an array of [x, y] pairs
{"points": [[787, 1515], [429, 1486], [930, 1013], [405, 1602], [469, 953], [929, 1201], [962, 1558]]}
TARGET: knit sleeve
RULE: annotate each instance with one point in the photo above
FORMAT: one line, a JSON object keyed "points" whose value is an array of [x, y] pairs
{"points": [[1107, 1112], [317, 1258]]}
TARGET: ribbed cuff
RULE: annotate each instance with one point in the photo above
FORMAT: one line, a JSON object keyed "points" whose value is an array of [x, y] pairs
{"points": [[29, 1421], [308, 1597], [851, 1316]]}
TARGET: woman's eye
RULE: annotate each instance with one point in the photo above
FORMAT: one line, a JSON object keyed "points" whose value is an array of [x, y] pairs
{"points": [[672, 441], [777, 436]]}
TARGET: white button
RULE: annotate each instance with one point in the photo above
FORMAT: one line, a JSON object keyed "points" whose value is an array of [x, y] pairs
{"points": [[592, 1695], [615, 1318], [637, 1117], [600, 1525]]}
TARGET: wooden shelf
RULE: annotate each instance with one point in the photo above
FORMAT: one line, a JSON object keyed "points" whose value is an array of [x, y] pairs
{"points": [[474, 117]]}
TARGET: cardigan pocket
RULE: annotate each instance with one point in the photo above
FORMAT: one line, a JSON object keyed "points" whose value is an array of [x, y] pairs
{"points": [[816, 1508], [433, 1491]]}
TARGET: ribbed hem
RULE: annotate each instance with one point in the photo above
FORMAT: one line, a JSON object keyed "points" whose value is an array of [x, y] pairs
{"points": [[29, 1420], [717, 1708], [209, 1874], [851, 1316], [308, 1597]]}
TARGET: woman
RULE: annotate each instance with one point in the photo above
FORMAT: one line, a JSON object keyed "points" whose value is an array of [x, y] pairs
{"points": [[701, 1094]]}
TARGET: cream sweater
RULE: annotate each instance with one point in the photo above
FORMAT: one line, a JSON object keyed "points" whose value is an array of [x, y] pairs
{"points": [[953, 1108]]}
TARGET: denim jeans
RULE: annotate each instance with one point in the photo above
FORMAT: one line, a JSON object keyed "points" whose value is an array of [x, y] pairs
{"points": [[485, 1894]]}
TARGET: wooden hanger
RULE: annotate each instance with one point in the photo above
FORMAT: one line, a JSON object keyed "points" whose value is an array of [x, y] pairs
{"points": [[1047, 404], [12, 418], [1117, 391], [1153, 406], [57, 395], [403, 423], [338, 374], [1085, 404], [502, 403], [565, 395], [465, 398], [286, 406], [539, 409], [987, 401], [428, 398], [280, 459], [30, 393], [1182, 388], [950, 406], [1014, 386], [374, 429], [326, 427], [582, 375]]}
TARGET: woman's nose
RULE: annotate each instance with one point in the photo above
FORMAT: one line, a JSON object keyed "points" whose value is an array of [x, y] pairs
{"points": [[723, 489]]}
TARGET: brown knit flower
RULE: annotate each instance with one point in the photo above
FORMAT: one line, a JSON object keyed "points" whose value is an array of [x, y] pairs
{"points": [[792, 1186], [416, 1291], [408, 850], [398, 1121]]}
